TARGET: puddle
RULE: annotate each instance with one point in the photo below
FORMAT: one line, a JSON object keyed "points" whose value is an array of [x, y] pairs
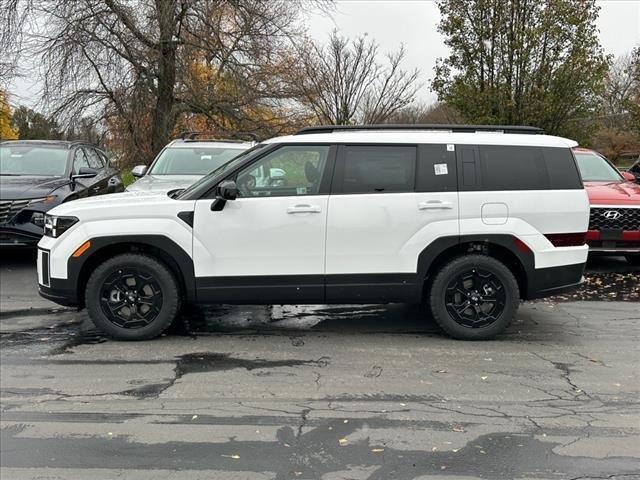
{"points": [[496, 456]]}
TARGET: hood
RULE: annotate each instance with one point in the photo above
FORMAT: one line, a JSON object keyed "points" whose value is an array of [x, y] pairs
{"points": [[23, 186], [613, 193], [162, 183], [114, 205]]}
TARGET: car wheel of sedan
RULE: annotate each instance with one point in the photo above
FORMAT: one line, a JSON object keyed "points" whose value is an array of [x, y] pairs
{"points": [[132, 297], [474, 297], [633, 259]]}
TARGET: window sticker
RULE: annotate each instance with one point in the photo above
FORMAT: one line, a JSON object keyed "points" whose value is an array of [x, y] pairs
{"points": [[440, 169], [301, 190], [451, 148]]}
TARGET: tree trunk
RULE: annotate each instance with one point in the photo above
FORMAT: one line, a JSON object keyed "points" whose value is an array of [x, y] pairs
{"points": [[163, 118]]}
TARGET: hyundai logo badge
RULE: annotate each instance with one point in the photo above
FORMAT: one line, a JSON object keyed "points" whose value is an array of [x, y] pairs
{"points": [[612, 214]]}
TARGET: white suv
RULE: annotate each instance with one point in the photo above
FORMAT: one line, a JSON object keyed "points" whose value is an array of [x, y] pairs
{"points": [[469, 219]]}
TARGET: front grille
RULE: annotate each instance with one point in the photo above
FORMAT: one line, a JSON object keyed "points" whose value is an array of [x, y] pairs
{"points": [[606, 218], [9, 209]]}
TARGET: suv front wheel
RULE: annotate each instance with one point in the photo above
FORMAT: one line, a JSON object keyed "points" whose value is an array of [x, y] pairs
{"points": [[132, 297], [474, 297]]}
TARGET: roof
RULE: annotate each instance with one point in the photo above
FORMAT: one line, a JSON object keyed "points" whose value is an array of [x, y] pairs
{"points": [[61, 143], [427, 136], [232, 144]]}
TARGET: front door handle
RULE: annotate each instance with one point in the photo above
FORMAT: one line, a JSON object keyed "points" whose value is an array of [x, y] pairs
{"points": [[435, 205], [306, 208], [96, 189]]}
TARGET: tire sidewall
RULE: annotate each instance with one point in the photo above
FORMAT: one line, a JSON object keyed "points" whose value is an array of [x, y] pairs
{"points": [[161, 274], [458, 266]]}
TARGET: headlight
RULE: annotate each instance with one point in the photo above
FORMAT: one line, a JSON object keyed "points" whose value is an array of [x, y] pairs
{"points": [[54, 226], [47, 199], [37, 218]]}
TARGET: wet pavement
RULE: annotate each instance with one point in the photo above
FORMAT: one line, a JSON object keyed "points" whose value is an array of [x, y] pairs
{"points": [[324, 392]]}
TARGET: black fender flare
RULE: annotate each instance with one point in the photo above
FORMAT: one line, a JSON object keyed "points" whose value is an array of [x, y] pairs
{"points": [[176, 258]]}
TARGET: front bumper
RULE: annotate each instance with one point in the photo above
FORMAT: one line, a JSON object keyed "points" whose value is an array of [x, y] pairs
{"points": [[60, 291], [614, 242], [11, 236]]}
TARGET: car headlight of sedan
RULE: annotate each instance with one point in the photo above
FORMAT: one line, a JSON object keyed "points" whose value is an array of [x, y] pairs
{"points": [[37, 218], [54, 225]]}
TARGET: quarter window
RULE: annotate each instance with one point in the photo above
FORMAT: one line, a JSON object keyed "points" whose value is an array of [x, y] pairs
{"points": [[377, 169], [512, 168], [94, 160], [289, 171]]}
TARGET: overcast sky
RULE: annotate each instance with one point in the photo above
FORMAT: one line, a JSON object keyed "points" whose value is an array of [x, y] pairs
{"points": [[414, 22]]}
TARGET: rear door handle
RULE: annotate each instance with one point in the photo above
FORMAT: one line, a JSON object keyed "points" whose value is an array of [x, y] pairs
{"points": [[96, 189], [435, 205], [306, 208]]}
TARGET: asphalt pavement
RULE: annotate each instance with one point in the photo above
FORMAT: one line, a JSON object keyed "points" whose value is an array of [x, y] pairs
{"points": [[323, 392]]}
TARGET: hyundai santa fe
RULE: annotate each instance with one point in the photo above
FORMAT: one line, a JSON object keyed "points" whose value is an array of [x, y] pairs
{"points": [[468, 219]]}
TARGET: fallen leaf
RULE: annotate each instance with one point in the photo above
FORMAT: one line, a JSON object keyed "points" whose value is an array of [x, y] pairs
{"points": [[484, 378], [343, 441], [234, 456], [458, 429], [194, 417], [377, 450]]}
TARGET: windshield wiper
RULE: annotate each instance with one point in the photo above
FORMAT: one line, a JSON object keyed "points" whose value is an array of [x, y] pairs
{"points": [[175, 193], [10, 174]]}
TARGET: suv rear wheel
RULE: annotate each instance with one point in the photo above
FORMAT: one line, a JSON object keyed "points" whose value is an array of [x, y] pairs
{"points": [[132, 297], [474, 297]]}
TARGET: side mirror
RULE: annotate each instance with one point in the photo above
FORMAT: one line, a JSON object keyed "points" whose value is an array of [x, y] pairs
{"points": [[227, 190], [139, 171], [85, 172], [628, 177]]}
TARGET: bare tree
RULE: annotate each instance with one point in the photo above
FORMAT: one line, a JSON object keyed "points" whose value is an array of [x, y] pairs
{"points": [[135, 62], [621, 85], [343, 82], [423, 113]]}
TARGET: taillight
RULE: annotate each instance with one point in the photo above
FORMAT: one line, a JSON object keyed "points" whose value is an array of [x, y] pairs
{"points": [[567, 239]]}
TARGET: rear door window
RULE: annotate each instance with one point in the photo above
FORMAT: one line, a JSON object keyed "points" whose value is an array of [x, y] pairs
{"points": [[375, 169], [436, 171]]}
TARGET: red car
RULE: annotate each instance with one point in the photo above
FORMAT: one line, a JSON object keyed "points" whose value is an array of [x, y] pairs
{"points": [[614, 224]]}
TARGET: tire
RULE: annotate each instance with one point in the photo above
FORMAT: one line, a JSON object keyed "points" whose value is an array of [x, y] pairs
{"points": [[633, 259], [455, 284], [153, 289]]}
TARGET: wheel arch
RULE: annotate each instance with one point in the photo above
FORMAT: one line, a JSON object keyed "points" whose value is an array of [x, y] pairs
{"points": [[160, 247], [507, 249]]}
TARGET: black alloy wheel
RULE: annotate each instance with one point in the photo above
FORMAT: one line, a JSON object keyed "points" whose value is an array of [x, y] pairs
{"points": [[131, 297], [475, 298]]}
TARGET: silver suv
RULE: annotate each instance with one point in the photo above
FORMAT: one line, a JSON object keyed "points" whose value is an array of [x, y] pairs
{"points": [[184, 161]]}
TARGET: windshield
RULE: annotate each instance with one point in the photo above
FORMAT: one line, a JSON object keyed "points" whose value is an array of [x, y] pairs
{"points": [[192, 161], [221, 169], [33, 160], [594, 168]]}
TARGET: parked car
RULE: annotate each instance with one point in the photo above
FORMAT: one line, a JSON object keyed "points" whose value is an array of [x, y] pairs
{"points": [[614, 223], [635, 170], [468, 220], [183, 161], [37, 175]]}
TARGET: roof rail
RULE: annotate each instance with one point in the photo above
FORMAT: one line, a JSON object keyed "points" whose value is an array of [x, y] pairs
{"points": [[430, 126], [193, 136]]}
